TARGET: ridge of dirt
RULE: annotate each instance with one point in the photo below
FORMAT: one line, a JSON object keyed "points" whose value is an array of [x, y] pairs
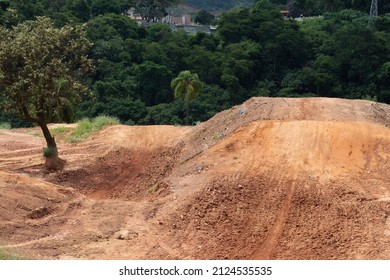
{"points": [[273, 178], [265, 108]]}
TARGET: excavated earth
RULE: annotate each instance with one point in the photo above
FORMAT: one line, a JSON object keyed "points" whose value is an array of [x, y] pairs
{"points": [[272, 178]]}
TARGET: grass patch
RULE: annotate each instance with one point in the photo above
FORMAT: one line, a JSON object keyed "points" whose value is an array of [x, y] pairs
{"points": [[61, 133], [58, 131], [5, 125], [153, 189], [8, 256], [86, 127]]}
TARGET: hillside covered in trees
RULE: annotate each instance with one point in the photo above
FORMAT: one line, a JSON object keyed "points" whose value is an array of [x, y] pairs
{"points": [[254, 52]]}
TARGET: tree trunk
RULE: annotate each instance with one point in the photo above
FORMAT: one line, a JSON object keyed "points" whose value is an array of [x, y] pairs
{"points": [[53, 162], [187, 112]]}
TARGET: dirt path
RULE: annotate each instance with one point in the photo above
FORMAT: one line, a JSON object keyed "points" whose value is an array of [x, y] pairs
{"points": [[264, 252]]}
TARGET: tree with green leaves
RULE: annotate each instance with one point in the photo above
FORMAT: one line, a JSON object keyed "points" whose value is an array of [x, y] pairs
{"points": [[154, 10], [186, 86], [41, 72], [204, 17]]}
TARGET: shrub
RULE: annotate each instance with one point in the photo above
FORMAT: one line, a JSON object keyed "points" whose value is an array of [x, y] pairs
{"points": [[5, 125], [49, 152], [87, 126], [102, 121]]}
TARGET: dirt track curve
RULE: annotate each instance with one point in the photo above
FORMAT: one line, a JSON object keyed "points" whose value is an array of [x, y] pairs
{"points": [[272, 178]]}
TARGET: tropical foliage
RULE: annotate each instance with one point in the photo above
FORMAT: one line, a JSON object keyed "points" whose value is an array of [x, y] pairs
{"points": [[254, 52], [186, 87], [41, 68]]}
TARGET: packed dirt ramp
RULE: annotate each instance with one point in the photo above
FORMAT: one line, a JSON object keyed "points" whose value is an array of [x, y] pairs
{"points": [[272, 178]]}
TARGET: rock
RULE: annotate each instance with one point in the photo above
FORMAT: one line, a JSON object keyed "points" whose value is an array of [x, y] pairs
{"points": [[123, 235], [126, 235], [39, 213]]}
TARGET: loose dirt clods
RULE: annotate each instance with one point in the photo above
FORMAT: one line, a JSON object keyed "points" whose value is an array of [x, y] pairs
{"points": [[272, 178]]}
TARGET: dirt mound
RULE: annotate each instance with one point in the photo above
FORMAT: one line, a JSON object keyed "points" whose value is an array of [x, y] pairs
{"points": [[265, 108], [273, 178], [291, 189], [316, 147]]}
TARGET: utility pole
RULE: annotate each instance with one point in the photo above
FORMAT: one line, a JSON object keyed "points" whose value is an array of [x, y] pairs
{"points": [[373, 13]]}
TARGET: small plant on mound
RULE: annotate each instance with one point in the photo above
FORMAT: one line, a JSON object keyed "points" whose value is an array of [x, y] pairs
{"points": [[49, 152], [5, 125], [153, 189], [86, 127]]}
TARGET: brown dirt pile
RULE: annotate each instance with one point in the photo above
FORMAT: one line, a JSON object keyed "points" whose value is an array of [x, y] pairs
{"points": [[272, 178]]}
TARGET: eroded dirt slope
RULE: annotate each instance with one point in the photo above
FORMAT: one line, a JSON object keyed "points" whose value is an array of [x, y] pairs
{"points": [[272, 178]]}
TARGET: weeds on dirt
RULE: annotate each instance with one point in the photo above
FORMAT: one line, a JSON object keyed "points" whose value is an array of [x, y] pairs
{"points": [[5, 125], [7, 256], [153, 189], [217, 135], [59, 131], [49, 152], [86, 127]]}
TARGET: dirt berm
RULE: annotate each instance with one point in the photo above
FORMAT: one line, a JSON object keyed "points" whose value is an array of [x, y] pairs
{"points": [[272, 178]]}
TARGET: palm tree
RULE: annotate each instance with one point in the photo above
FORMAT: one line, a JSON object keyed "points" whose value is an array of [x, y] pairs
{"points": [[186, 86]]}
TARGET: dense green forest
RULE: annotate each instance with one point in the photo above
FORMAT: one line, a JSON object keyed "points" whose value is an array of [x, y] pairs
{"points": [[255, 52]]}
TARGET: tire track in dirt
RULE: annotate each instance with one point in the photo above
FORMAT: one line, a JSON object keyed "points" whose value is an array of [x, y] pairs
{"points": [[265, 250]]}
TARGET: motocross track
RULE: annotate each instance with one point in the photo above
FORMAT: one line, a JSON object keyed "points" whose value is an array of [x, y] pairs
{"points": [[272, 178]]}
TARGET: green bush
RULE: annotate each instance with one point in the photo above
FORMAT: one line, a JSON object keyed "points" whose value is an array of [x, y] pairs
{"points": [[103, 121], [12, 120], [49, 152], [86, 127], [5, 125]]}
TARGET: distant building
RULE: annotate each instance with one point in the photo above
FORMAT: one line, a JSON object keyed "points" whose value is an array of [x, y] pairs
{"points": [[181, 20]]}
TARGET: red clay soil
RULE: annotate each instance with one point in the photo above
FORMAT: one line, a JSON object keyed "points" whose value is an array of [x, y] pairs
{"points": [[272, 178]]}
